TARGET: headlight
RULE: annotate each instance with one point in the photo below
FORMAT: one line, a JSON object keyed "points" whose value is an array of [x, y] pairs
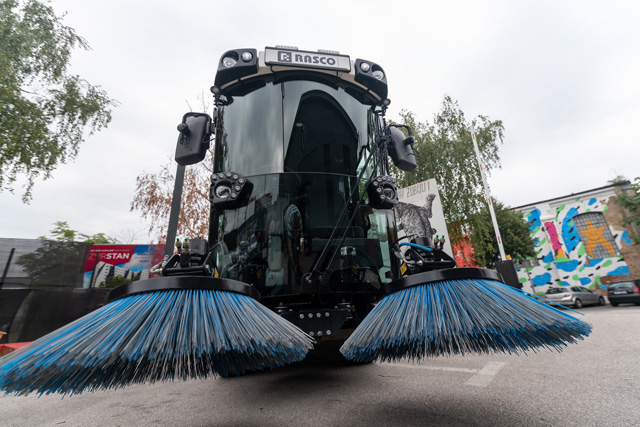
{"points": [[235, 64], [373, 77], [229, 190], [229, 61], [222, 191]]}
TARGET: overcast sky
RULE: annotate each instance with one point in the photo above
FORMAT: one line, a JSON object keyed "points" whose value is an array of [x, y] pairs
{"points": [[563, 76]]}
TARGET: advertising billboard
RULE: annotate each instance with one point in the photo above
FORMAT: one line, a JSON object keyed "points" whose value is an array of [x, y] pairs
{"points": [[128, 261]]}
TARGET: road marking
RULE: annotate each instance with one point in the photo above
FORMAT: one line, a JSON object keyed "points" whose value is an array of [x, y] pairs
{"points": [[482, 377], [431, 368], [486, 374]]}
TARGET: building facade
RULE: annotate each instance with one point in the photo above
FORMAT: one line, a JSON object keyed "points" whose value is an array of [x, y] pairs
{"points": [[580, 239]]}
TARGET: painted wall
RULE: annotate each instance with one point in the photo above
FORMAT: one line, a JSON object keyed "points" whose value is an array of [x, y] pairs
{"points": [[572, 252]]}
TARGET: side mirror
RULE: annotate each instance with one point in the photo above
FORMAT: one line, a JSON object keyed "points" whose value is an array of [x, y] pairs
{"points": [[193, 141], [401, 149]]}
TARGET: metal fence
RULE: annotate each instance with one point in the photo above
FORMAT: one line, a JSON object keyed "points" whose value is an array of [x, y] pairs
{"points": [[41, 287]]}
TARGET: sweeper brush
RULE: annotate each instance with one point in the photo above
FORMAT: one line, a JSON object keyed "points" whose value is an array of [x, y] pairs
{"points": [[458, 311], [159, 335]]}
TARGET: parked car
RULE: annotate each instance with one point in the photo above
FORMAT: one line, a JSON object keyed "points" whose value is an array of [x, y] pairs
{"points": [[621, 292], [574, 296]]}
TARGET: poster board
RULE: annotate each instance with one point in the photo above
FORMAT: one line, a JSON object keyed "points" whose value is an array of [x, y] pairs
{"points": [[419, 211]]}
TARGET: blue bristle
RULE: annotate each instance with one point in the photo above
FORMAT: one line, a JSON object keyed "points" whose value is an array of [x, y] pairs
{"points": [[156, 336], [460, 317]]}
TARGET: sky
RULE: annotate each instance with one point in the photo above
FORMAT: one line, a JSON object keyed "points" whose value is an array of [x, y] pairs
{"points": [[564, 77]]}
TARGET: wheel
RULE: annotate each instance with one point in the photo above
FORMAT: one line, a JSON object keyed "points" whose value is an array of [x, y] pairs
{"points": [[577, 304], [601, 301], [615, 304]]}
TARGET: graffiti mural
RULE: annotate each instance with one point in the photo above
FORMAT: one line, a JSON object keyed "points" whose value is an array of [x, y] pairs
{"points": [[554, 239], [594, 231], [574, 244]]}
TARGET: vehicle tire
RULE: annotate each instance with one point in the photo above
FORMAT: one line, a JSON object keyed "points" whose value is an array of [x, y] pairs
{"points": [[601, 301], [615, 304], [577, 303]]}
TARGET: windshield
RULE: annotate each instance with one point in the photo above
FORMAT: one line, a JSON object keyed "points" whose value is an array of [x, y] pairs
{"points": [[556, 290], [301, 146], [296, 126], [621, 286]]}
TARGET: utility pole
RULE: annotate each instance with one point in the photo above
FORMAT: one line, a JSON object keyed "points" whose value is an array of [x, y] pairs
{"points": [[487, 193]]}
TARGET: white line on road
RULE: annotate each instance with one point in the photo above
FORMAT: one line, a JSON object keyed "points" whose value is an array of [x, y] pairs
{"points": [[486, 374], [431, 368], [482, 377]]}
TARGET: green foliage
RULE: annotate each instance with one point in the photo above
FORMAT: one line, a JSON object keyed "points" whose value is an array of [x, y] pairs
{"points": [[115, 281], [63, 233], [631, 202], [513, 229], [446, 153], [44, 110], [618, 179], [99, 239], [59, 260]]}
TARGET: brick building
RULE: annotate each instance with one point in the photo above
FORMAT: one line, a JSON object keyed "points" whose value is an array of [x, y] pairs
{"points": [[580, 239]]}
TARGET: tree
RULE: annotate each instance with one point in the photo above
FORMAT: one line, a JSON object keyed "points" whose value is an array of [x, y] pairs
{"points": [[55, 263], [514, 231], [154, 192], [446, 153], [44, 110], [63, 233], [114, 282], [630, 200], [58, 262]]}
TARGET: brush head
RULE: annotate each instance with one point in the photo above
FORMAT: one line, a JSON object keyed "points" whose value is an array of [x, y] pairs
{"points": [[161, 335], [458, 311]]}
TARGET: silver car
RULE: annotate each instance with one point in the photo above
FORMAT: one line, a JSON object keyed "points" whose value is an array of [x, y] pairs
{"points": [[574, 296]]}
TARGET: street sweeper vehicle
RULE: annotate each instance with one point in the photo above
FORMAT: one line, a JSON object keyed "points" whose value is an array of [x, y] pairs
{"points": [[301, 195], [302, 248]]}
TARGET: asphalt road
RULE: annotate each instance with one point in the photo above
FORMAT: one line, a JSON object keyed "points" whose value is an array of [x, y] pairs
{"points": [[593, 383]]}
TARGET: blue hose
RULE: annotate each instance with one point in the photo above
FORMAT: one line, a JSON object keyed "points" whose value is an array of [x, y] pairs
{"points": [[413, 245]]}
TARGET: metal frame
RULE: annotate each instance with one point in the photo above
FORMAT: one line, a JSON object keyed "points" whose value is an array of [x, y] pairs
{"points": [[441, 276], [182, 283]]}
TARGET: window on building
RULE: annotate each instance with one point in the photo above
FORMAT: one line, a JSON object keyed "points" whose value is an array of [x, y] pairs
{"points": [[595, 235]]}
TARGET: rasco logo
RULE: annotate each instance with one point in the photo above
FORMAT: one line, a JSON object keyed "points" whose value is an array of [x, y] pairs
{"points": [[307, 59], [300, 58], [284, 56]]}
